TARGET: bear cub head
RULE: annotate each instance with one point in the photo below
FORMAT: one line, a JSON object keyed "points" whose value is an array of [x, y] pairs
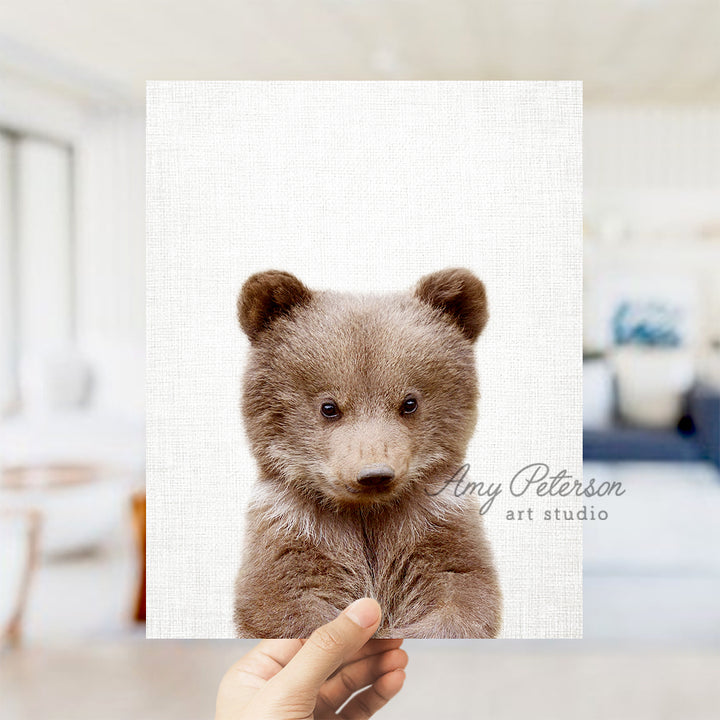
{"points": [[360, 401]]}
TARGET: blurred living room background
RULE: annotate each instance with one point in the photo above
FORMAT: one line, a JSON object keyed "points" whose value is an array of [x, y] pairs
{"points": [[72, 337]]}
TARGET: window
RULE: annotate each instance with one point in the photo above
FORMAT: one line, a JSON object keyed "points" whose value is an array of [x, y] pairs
{"points": [[37, 267]]}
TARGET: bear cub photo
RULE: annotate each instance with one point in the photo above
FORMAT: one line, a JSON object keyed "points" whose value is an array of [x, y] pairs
{"points": [[359, 409]]}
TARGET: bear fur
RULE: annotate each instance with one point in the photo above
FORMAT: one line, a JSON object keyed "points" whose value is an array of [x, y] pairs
{"points": [[358, 410]]}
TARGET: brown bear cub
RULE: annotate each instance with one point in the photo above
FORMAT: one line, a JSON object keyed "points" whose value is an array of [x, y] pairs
{"points": [[359, 410]]}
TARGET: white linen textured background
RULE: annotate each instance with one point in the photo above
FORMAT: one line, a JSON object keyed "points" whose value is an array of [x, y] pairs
{"points": [[360, 186]]}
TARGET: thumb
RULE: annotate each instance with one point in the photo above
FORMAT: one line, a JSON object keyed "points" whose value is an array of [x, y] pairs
{"points": [[328, 648]]}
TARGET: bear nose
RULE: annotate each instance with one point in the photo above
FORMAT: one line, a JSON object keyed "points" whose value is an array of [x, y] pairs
{"points": [[375, 475]]}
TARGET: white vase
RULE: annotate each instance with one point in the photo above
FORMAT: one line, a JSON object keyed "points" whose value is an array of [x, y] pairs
{"points": [[597, 394], [652, 383]]}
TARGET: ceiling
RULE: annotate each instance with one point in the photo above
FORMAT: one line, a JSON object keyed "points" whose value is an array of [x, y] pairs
{"points": [[624, 50]]}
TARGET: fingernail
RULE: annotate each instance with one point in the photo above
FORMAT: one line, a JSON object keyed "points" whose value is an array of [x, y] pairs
{"points": [[363, 612]]}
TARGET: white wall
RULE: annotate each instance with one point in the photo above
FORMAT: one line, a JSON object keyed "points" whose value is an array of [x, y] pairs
{"points": [[111, 255], [655, 167]]}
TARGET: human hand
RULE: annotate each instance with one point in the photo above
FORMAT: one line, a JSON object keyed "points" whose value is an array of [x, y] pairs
{"points": [[312, 679]]}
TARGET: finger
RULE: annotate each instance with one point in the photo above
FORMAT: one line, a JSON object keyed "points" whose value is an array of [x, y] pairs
{"points": [[245, 677], [281, 652], [374, 647], [351, 678], [264, 661], [327, 649], [369, 701]]}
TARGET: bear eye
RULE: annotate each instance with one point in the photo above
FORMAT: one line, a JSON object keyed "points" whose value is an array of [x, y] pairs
{"points": [[330, 410], [409, 406]]}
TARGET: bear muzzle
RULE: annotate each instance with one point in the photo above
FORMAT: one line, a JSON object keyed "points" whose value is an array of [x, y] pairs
{"points": [[369, 461]]}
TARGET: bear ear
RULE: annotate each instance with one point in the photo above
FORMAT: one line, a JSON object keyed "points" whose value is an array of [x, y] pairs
{"points": [[265, 297], [460, 296]]}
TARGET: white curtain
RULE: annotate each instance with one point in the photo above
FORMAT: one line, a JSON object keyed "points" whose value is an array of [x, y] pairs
{"points": [[45, 253]]}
